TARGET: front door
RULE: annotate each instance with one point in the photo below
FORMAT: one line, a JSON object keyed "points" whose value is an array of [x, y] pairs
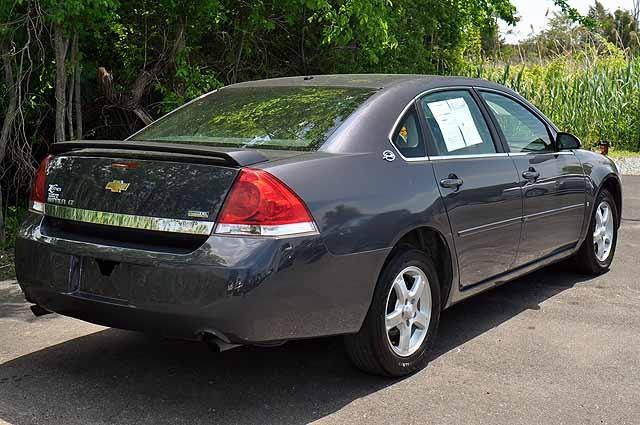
{"points": [[552, 182], [478, 183]]}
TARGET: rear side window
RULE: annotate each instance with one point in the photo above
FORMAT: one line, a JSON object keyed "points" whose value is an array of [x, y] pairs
{"points": [[408, 137], [523, 131], [292, 118], [456, 123]]}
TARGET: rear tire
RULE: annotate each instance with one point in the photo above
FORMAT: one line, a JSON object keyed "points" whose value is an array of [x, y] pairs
{"points": [[413, 311], [597, 250]]}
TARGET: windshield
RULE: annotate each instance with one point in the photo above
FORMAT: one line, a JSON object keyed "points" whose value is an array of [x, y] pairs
{"points": [[292, 118]]}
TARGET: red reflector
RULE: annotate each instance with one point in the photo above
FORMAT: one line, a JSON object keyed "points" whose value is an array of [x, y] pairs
{"points": [[39, 190], [259, 199], [124, 165]]}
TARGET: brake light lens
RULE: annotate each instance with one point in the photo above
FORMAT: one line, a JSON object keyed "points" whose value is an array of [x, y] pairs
{"points": [[38, 190], [261, 205]]}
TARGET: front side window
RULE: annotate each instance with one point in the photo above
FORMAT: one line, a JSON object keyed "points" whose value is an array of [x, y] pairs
{"points": [[456, 123], [408, 138], [523, 131], [292, 118]]}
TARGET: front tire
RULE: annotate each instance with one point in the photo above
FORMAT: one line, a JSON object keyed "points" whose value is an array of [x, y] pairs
{"points": [[402, 322], [597, 250]]}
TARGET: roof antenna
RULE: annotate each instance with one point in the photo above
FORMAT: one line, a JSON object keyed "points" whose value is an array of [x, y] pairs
{"points": [[308, 77]]}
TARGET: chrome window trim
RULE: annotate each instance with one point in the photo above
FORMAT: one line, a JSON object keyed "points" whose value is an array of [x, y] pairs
{"points": [[392, 132], [528, 105], [541, 153], [437, 157], [469, 156], [404, 111], [171, 225]]}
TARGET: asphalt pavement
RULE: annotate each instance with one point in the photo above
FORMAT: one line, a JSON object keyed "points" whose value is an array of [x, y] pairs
{"points": [[554, 347]]}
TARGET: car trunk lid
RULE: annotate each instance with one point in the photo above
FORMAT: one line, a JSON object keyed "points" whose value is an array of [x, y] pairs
{"points": [[162, 187]]}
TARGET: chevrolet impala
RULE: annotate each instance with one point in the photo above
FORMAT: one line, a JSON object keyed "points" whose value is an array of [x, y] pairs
{"points": [[355, 205]]}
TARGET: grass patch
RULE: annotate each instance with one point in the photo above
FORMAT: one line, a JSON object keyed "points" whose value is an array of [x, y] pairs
{"points": [[7, 265], [594, 97], [13, 216]]}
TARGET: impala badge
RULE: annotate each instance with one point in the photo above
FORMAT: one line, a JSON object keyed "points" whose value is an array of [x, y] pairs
{"points": [[198, 214], [388, 156], [117, 186]]}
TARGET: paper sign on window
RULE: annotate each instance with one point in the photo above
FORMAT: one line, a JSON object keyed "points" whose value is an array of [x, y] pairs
{"points": [[456, 123]]}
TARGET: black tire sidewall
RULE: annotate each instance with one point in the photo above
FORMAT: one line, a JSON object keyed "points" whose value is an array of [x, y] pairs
{"points": [[392, 363]]}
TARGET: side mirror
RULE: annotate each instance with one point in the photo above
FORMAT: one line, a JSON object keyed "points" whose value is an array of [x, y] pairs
{"points": [[567, 141]]}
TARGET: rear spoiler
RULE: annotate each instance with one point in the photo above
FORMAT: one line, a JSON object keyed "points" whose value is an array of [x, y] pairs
{"points": [[226, 156]]}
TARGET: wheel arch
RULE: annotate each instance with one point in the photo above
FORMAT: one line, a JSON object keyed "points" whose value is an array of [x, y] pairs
{"points": [[434, 244], [612, 184]]}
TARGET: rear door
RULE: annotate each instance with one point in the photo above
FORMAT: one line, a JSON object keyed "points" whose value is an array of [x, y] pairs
{"points": [[552, 182], [478, 183]]}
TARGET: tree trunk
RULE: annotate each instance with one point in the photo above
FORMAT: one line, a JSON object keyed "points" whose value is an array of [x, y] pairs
{"points": [[7, 123], [78, 99], [12, 104], [61, 44], [3, 234], [69, 112], [132, 100], [73, 64]]}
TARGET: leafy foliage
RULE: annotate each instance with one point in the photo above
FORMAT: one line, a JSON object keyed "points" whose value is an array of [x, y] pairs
{"points": [[137, 59], [596, 98]]}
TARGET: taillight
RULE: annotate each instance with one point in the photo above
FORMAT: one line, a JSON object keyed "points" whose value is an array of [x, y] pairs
{"points": [[260, 204], [38, 190]]}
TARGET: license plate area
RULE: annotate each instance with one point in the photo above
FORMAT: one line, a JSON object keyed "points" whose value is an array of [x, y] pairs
{"points": [[103, 278]]}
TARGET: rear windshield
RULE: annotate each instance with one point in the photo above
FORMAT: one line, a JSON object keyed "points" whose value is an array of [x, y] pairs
{"points": [[292, 118]]}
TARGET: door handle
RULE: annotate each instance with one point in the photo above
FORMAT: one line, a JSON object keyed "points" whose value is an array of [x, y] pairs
{"points": [[451, 182], [531, 174]]}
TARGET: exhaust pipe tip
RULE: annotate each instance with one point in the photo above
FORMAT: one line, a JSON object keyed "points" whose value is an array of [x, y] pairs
{"points": [[216, 343], [38, 310]]}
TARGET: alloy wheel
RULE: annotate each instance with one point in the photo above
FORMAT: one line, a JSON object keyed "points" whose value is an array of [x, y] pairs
{"points": [[603, 231], [408, 311]]}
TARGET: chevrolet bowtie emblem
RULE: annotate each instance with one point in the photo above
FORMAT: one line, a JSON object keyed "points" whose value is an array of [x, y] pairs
{"points": [[117, 186]]}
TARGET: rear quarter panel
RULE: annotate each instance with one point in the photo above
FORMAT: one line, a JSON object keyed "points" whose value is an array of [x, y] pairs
{"points": [[361, 202]]}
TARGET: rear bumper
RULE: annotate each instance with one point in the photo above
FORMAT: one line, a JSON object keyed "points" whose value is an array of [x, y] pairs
{"points": [[245, 290]]}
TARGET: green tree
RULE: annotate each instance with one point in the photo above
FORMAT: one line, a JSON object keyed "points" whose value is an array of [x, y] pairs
{"points": [[619, 28], [70, 19]]}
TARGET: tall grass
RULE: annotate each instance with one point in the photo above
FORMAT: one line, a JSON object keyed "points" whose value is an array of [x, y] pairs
{"points": [[595, 98]]}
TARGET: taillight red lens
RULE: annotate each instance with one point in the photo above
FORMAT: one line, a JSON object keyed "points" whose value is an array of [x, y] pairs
{"points": [[260, 204], [39, 190]]}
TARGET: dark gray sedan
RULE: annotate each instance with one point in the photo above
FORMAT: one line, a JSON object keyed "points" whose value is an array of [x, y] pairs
{"points": [[300, 207]]}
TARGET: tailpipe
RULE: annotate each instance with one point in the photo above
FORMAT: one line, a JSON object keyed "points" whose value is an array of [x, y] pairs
{"points": [[216, 343], [38, 310]]}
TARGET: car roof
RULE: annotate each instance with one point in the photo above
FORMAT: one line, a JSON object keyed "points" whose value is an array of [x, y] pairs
{"points": [[378, 114], [368, 81]]}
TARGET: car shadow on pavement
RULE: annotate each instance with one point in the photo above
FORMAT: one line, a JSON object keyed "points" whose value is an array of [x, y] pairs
{"points": [[115, 376]]}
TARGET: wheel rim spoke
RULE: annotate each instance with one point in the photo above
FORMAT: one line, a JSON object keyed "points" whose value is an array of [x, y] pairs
{"points": [[599, 249], [393, 319], [417, 288], [400, 287], [405, 338], [605, 215], [421, 321]]}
